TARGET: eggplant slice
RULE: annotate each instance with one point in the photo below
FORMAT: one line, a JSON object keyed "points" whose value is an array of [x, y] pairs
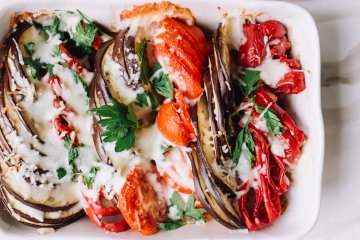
{"points": [[117, 75], [30, 187], [211, 153]]}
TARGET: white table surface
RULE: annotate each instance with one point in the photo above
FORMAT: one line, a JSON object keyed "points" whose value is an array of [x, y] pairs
{"points": [[338, 22]]}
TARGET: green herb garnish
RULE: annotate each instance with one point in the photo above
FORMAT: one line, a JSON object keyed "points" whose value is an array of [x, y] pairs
{"points": [[34, 67], [143, 60], [61, 172], [244, 142], [72, 151], [83, 37], [165, 147], [120, 123], [89, 178], [53, 29], [142, 99], [29, 47], [188, 211], [249, 82], [169, 224], [191, 211], [162, 83], [272, 121], [145, 72]]}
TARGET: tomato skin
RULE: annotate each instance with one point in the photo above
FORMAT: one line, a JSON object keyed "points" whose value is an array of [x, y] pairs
{"points": [[184, 80], [137, 193], [174, 121], [185, 49], [72, 62], [96, 212], [279, 50], [273, 29], [253, 51]]}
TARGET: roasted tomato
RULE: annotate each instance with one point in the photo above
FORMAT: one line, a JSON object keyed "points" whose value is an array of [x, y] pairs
{"points": [[253, 51], [182, 51], [101, 208], [141, 206], [273, 29], [174, 121]]}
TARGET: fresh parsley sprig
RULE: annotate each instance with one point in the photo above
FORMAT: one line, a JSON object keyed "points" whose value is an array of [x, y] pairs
{"points": [[72, 155], [272, 121], [244, 142], [142, 99], [183, 212], [61, 172], [120, 123], [84, 36], [249, 82], [145, 72], [162, 83], [89, 178]]}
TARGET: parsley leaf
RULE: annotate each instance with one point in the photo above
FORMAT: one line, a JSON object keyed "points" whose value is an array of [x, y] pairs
{"points": [[72, 151], [72, 155], [244, 137], [144, 62], [154, 100], [191, 211], [165, 147], [29, 47], [84, 37], [34, 67], [249, 81], [145, 72], [61, 172], [162, 83], [50, 69], [120, 123], [53, 29], [79, 80], [175, 200], [142, 99], [56, 52], [169, 224], [272, 121], [89, 178]]}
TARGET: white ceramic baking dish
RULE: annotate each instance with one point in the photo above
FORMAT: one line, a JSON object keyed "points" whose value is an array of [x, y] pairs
{"points": [[304, 196]]}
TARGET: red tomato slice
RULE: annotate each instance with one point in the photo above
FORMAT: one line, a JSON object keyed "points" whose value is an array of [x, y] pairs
{"points": [[139, 203], [174, 121], [96, 212], [182, 51], [187, 58], [192, 34]]}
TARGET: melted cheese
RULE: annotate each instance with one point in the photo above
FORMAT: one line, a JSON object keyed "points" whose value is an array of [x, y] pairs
{"points": [[44, 50], [272, 71], [115, 76], [68, 20], [233, 27]]}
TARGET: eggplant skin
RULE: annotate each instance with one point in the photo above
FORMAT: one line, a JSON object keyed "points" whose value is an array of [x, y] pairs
{"points": [[124, 54], [219, 190], [211, 153]]}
